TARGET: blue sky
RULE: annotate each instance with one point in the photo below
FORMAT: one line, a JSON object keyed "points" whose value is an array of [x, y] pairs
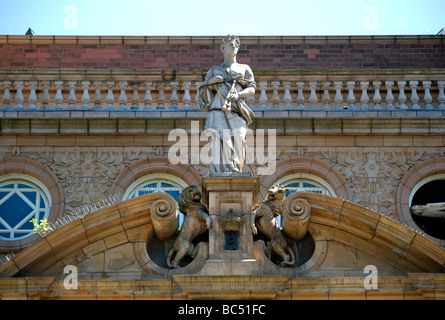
{"points": [[210, 17]]}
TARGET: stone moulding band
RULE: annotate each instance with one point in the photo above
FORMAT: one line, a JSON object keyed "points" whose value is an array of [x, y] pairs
{"points": [[79, 214]]}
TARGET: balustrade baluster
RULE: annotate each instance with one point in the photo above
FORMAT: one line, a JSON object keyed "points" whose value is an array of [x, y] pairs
{"points": [[427, 96], [326, 98], [389, 96], [441, 96], [364, 98], [313, 96], [72, 95], [338, 96], [402, 96], [377, 98], [287, 99], [275, 97], [161, 97], [6, 98], [7, 94], [414, 97], [45, 94], [123, 95], [135, 96], [300, 95], [351, 97], [148, 99], [109, 99], [85, 96], [19, 94], [32, 99], [58, 99], [186, 99], [263, 95], [174, 95], [97, 95]]}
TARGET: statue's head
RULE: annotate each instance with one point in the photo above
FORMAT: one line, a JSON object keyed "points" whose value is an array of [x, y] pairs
{"points": [[190, 198], [277, 193], [230, 45]]}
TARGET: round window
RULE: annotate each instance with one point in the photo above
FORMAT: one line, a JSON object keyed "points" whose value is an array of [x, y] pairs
{"points": [[427, 206], [157, 183], [22, 198], [301, 182]]}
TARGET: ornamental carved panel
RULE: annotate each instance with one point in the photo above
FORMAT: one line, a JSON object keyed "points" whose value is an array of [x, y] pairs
{"points": [[86, 174], [373, 176]]}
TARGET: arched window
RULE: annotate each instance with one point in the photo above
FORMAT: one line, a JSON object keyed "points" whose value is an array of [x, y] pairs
{"points": [[302, 182], [22, 198], [427, 205], [157, 182]]}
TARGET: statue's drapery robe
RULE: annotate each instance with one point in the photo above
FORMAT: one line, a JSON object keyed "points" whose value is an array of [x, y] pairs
{"points": [[231, 127]]}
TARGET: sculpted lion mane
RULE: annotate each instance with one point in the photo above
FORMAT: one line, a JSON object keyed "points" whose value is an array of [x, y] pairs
{"points": [[197, 222], [264, 221]]}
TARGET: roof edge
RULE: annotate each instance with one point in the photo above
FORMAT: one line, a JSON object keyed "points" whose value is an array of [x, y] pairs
{"points": [[210, 40]]}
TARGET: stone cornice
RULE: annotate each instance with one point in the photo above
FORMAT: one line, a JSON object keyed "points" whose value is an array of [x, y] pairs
{"points": [[206, 40], [113, 122]]}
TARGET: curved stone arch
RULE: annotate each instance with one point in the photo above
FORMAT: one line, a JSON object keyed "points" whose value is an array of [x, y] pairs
{"points": [[141, 168], [130, 221], [40, 172], [409, 182], [311, 166], [360, 228]]}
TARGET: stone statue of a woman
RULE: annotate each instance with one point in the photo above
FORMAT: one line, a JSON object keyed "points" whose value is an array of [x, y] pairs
{"points": [[223, 94]]}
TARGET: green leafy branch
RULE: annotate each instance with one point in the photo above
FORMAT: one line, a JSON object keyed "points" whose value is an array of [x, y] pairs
{"points": [[41, 228]]}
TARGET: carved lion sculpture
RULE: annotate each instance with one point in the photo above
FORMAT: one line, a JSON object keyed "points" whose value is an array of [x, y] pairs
{"points": [[264, 221], [197, 221]]}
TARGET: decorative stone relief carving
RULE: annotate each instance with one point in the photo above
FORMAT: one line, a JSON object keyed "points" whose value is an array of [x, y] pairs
{"points": [[374, 176], [86, 174]]}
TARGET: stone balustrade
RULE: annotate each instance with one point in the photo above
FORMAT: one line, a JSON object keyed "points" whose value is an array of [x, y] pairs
{"points": [[111, 90]]}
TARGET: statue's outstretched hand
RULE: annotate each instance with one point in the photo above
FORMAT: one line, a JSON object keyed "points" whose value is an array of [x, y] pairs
{"points": [[216, 79]]}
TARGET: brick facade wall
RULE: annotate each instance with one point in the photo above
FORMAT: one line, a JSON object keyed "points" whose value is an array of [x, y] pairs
{"points": [[340, 55]]}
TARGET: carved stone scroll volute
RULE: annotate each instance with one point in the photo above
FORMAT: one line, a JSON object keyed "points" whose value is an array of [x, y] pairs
{"points": [[164, 217], [296, 214]]}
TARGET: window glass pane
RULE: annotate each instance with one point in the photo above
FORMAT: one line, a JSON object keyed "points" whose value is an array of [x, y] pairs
{"points": [[142, 192], [32, 196], [158, 183], [174, 194], [293, 185], [305, 185], [14, 209], [23, 186], [308, 185], [23, 202], [166, 185]]}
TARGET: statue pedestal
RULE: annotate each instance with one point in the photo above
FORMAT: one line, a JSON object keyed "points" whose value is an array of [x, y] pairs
{"points": [[222, 194]]}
